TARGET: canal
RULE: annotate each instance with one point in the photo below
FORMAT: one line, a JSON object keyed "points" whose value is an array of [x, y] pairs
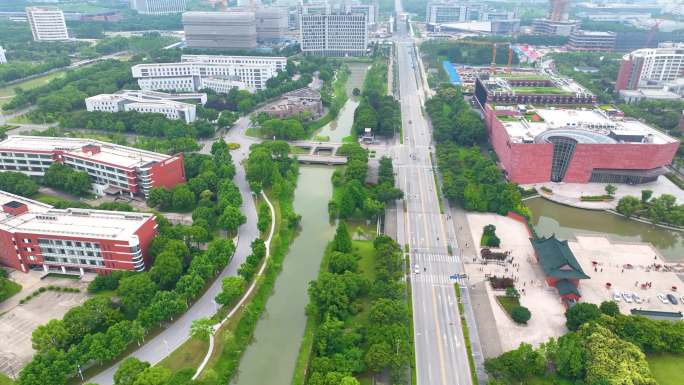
{"points": [[339, 128], [549, 218], [270, 359]]}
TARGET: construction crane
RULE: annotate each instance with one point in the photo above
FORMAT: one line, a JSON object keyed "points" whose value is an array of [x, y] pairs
{"points": [[510, 58], [492, 68]]}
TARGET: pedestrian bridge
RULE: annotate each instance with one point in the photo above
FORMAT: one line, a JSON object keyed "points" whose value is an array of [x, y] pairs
{"points": [[313, 152]]}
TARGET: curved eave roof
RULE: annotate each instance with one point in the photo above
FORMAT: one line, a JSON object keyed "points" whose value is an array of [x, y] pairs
{"points": [[580, 136]]}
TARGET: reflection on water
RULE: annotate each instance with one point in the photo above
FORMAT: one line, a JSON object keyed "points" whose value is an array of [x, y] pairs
{"points": [[341, 126], [271, 358], [549, 217]]}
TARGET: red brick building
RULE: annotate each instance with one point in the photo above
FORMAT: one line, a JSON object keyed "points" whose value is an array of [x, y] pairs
{"points": [[576, 146], [113, 169], [34, 235]]}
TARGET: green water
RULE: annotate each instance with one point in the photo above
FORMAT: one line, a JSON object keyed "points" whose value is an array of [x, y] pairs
{"points": [[564, 221], [341, 127], [270, 359]]}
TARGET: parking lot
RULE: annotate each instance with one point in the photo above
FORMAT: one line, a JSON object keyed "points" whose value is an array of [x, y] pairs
{"points": [[18, 322]]}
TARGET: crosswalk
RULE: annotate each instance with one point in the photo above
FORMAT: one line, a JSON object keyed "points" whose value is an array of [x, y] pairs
{"points": [[430, 257], [430, 275], [437, 279]]}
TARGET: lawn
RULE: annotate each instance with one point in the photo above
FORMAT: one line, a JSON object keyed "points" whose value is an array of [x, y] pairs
{"points": [[508, 303], [13, 288], [189, 355], [668, 369], [7, 92], [4, 380], [540, 90]]}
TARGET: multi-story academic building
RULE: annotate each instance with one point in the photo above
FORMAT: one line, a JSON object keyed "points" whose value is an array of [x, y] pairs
{"points": [[173, 106], [158, 7], [334, 34], [651, 65], [113, 169], [219, 73], [47, 23], [34, 235]]}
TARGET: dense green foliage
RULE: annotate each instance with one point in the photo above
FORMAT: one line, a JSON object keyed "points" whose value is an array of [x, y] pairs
{"points": [[663, 209], [101, 329], [489, 237], [67, 179], [18, 183], [356, 199], [664, 114], [602, 83], [377, 110], [132, 22], [452, 118], [344, 343], [475, 52], [604, 347], [7, 288], [469, 177]]}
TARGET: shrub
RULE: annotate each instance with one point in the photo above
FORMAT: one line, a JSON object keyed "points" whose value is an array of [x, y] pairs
{"points": [[546, 190], [500, 283], [596, 198], [521, 315]]}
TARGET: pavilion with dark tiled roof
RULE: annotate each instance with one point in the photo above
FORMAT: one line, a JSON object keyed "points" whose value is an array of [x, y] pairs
{"points": [[560, 266]]}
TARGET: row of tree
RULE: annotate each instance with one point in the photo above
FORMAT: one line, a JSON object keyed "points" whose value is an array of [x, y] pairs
{"points": [[67, 179], [345, 344], [452, 119], [357, 198], [377, 110], [662, 209]]}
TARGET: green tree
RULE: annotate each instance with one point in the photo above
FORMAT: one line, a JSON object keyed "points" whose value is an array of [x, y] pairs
{"points": [[156, 375], [646, 195], [570, 356], [231, 219], [166, 270], [202, 328], [53, 335], [231, 289], [182, 199], [610, 189], [609, 308], [136, 292], [628, 205], [342, 241], [581, 313], [378, 356], [521, 314], [341, 262], [129, 370], [190, 285]]}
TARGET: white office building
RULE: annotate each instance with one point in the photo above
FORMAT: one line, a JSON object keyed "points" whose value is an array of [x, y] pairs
{"points": [[215, 72], [3, 58], [47, 23], [371, 11], [173, 106], [439, 12], [334, 34], [236, 30], [158, 7]]}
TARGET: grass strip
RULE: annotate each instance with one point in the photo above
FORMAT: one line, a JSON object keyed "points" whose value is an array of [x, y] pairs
{"points": [[466, 336]]}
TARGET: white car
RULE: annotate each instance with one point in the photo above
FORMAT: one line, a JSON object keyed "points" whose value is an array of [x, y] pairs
{"points": [[616, 296], [627, 297], [417, 269], [663, 298], [636, 297]]}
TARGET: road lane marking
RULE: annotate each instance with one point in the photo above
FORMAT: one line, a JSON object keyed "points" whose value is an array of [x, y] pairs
{"points": [[440, 348]]}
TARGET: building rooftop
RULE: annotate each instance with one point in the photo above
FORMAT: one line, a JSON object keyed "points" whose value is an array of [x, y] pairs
{"points": [[584, 125], [115, 154], [42, 218], [582, 32], [520, 82], [557, 259]]}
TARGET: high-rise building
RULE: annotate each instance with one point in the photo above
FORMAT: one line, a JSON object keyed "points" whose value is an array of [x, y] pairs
{"points": [[218, 73], [581, 40], [3, 58], [47, 23], [271, 23], [440, 12], [158, 7], [220, 30], [35, 235], [173, 106], [371, 11], [334, 34], [113, 169], [651, 66], [557, 22]]}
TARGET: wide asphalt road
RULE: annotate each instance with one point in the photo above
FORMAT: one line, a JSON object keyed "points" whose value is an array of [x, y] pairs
{"points": [[440, 349], [178, 332]]}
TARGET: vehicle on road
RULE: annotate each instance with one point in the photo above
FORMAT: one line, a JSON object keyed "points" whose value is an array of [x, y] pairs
{"points": [[410, 122], [417, 269], [672, 299], [662, 298]]}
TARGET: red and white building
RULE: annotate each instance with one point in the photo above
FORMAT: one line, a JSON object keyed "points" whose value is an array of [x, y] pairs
{"points": [[113, 169], [537, 145], [34, 235]]}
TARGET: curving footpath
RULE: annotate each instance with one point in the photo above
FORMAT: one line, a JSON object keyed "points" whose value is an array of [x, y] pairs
{"points": [[163, 344], [249, 291]]}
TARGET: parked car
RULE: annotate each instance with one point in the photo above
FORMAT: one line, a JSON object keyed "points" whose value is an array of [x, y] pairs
{"points": [[682, 298], [672, 299], [616, 296], [662, 298], [636, 297], [627, 297]]}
